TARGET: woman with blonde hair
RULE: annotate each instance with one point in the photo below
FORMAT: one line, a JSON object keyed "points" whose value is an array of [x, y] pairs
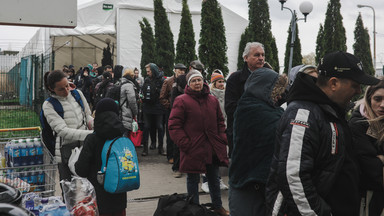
{"points": [[218, 89], [128, 99], [367, 125]]}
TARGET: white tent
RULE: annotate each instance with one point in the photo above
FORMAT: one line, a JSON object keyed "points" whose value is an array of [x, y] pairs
{"points": [[84, 44]]}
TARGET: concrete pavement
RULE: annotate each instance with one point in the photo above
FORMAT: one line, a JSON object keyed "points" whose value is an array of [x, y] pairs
{"points": [[156, 179]]}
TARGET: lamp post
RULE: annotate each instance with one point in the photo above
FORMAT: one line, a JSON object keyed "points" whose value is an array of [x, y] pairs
{"points": [[374, 33], [305, 8]]}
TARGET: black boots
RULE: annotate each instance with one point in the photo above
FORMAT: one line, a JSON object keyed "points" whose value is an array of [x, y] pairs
{"points": [[161, 150], [153, 146], [145, 150]]}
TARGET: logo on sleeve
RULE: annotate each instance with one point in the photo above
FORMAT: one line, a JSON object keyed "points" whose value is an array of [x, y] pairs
{"points": [[299, 123]]}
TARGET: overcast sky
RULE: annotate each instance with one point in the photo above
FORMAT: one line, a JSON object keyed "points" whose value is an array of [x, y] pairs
{"points": [[15, 38]]}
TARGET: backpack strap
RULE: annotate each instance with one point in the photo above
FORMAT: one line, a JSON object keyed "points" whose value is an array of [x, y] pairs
{"points": [[77, 97], [109, 150], [56, 106], [121, 85]]}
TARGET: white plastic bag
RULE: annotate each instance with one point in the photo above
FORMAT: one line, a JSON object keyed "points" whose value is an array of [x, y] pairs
{"points": [[135, 126], [73, 159]]}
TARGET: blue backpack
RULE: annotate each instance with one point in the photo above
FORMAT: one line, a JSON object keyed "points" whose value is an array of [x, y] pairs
{"points": [[47, 134], [119, 168]]}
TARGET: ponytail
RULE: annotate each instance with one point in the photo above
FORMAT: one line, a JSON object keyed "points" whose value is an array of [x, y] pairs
{"points": [[51, 78]]}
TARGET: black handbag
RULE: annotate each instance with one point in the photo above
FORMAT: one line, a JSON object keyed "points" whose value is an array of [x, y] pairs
{"points": [[66, 150]]}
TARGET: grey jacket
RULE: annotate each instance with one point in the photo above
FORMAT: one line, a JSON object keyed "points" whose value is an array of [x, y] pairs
{"points": [[220, 95], [129, 109]]}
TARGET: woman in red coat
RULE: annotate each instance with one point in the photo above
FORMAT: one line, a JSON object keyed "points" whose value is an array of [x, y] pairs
{"points": [[196, 125]]}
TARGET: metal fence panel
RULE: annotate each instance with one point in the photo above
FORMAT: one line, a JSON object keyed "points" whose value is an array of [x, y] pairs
{"points": [[21, 89]]}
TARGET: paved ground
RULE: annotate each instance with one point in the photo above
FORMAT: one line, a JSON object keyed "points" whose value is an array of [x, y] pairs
{"points": [[156, 179]]}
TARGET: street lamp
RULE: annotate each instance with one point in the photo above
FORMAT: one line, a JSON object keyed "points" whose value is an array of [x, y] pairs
{"points": [[374, 33], [305, 8]]}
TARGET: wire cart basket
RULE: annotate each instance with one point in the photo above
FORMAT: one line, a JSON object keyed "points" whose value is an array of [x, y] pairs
{"points": [[38, 173]]}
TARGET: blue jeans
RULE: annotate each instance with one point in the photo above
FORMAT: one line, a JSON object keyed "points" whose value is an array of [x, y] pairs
{"points": [[248, 201], [212, 174]]}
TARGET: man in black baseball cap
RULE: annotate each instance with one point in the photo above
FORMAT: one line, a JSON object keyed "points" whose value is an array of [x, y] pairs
{"points": [[314, 171], [345, 65]]}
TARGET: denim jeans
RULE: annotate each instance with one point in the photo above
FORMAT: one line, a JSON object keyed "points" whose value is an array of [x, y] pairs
{"points": [[212, 174], [248, 201]]}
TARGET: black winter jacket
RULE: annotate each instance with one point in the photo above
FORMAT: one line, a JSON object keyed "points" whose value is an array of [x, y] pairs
{"points": [[107, 126], [367, 149], [233, 91], [153, 106], [313, 170]]}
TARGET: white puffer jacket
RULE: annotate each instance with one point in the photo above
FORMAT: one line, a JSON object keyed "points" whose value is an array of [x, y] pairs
{"points": [[73, 127]]}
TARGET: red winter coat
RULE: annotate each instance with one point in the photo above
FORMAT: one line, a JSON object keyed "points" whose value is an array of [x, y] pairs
{"points": [[196, 125]]}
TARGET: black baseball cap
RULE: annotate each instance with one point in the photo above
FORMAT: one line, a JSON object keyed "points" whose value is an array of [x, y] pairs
{"points": [[345, 65]]}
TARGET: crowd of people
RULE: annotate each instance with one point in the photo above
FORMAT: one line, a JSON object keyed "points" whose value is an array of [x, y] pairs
{"points": [[289, 144]]}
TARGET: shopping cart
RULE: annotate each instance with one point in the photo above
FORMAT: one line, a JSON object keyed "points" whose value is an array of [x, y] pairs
{"points": [[38, 178]]}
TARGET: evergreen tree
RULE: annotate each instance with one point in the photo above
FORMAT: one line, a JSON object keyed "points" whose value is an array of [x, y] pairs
{"points": [[276, 66], [213, 43], [361, 47], [147, 46], [164, 48], [243, 41], [260, 30], [334, 31], [107, 56], [185, 48], [297, 58], [319, 44]]}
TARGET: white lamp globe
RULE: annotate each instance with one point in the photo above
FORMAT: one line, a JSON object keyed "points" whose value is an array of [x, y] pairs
{"points": [[306, 7]]}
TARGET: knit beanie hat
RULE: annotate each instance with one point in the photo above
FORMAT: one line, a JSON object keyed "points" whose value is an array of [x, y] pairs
{"points": [[215, 77], [192, 73], [107, 104]]}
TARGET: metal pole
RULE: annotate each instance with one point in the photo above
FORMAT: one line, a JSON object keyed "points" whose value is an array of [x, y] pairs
{"points": [[293, 35], [374, 34], [374, 39]]}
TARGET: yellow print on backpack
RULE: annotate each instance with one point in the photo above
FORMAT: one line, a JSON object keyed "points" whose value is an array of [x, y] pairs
{"points": [[126, 161]]}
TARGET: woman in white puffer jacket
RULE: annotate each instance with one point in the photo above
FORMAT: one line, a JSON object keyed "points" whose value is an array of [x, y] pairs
{"points": [[76, 122]]}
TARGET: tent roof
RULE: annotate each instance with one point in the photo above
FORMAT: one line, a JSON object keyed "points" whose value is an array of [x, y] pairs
{"points": [[104, 21], [94, 25], [91, 19]]}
